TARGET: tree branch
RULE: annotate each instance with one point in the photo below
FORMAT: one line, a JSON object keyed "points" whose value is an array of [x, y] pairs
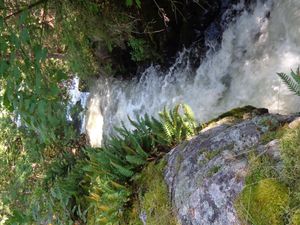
{"points": [[28, 7]]}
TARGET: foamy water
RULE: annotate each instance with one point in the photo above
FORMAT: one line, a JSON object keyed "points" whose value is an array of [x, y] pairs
{"points": [[242, 72]]}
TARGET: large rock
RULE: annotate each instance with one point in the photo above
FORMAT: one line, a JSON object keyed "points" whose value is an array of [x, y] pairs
{"points": [[205, 175]]}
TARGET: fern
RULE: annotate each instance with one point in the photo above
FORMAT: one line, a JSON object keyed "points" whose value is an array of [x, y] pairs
{"points": [[292, 81], [135, 160], [112, 167], [126, 172]]}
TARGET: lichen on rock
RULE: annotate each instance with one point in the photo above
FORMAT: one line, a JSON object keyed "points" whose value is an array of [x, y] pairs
{"points": [[208, 173]]}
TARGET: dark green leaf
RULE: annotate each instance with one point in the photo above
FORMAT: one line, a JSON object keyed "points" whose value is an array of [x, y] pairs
{"points": [[136, 160], [122, 170], [1, 19], [23, 17], [3, 67], [129, 2], [24, 36], [138, 3]]}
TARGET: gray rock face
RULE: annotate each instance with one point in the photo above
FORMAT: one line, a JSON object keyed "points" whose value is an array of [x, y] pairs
{"points": [[205, 175]]}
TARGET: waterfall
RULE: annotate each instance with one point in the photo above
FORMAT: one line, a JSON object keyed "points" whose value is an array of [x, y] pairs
{"points": [[242, 71]]}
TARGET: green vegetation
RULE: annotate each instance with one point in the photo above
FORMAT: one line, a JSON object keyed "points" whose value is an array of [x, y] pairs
{"points": [[290, 143], [264, 203], [295, 220], [68, 182], [213, 171], [112, 167], [271, 194], [48, 174], [235, 114], [151, 197], [273, 134], [292, 81]]}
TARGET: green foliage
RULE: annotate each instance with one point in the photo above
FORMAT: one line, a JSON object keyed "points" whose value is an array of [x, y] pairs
{"points": [[35, 190], [151, 198], [130, 3], [140, 50], [292, 81], [274, 134], [290, 152], [112, 167], [30, 81], [177, 125], [295, 220], [279, 207], [291, 161], [264, 203], [260, 167], [45, 177]]}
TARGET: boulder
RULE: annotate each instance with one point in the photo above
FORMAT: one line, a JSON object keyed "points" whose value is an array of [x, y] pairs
{"points": [[206, 174]]}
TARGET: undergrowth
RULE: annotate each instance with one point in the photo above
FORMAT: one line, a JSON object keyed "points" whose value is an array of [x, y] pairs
{"points": [[271, 195], [70, 183], [112, 167], [151, 203]]}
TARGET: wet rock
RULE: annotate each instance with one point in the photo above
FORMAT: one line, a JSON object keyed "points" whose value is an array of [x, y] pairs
{"points": [[206, 174]]}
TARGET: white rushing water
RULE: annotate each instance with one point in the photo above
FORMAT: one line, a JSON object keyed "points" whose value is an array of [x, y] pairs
{"points": [[242, 72]]}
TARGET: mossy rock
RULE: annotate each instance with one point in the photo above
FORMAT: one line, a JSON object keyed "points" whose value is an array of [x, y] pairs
{"points": [[263, 203], [236, 113], [295, 220]]}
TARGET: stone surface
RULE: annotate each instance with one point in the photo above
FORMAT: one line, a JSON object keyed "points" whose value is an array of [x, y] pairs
{"points": [[295, 123], [205, 175], [273, 149]]}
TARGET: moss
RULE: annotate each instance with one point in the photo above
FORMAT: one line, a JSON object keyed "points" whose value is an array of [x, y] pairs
{"points": [[209, 155], [260, 167], [213, 171], [236, 113], [290, 153], [272, 135], [281, 205], [152, 198], [295, 220], [263, 203]]}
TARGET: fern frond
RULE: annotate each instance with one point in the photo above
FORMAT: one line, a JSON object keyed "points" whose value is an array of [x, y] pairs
{"points": [[168, 133], [296, 76], [188, 113], [122, 170], [135, 160], [291, 84]]}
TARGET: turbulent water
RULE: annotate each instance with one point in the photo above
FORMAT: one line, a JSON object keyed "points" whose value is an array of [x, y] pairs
{"points": [[256, 45]]}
